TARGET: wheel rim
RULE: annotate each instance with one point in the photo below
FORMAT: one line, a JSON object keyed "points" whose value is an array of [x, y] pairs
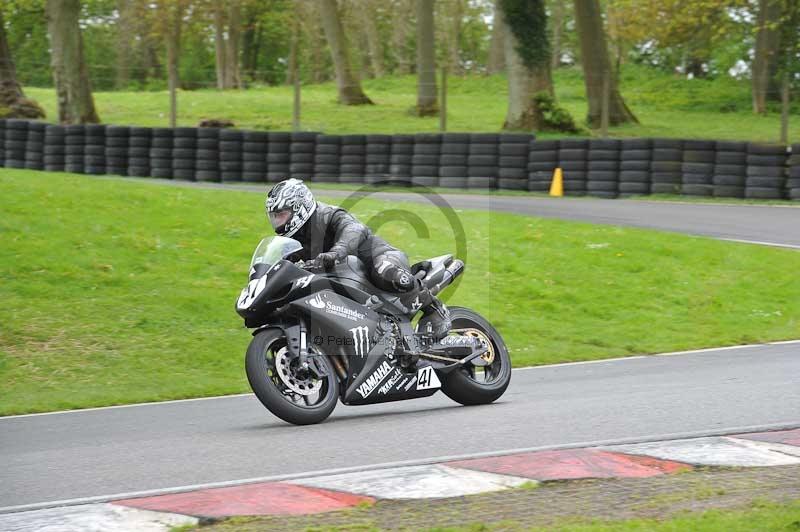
{"points": [[302, 392], [491, 372]]}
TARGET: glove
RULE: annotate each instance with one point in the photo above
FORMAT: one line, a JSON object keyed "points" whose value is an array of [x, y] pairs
{"points": [[326, 260]]}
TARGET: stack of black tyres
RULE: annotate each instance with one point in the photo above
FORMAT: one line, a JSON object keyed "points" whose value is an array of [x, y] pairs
{"points": [[793, 182], [379, 155], [34, 146], [482, 160], [634, 167], [73, 148], [230, 155], [542, 163], [301, 163], [730, 169], [697, 168], [400, 160], [184, 147], [425, 161], [453, 160], [326, 158], [207, 154], [94, 149], [278, 156], [353, 159], [116, 152], [139, 140], [512, 172], [54, 148], [766, 171], [161, 153], [603, 168], [15, 140], [665, 170], [255, 147], [573, 160]]}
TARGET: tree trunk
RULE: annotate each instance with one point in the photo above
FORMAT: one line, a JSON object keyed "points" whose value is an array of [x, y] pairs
{"points": [[347, 82], [426, 59], [13, 103], [558, 30], [70, 74], [454, 48], [219, 44], [766, 53], [595, 62], [366, 9], [400, 35], [174, 20], [497, 54], [232, 77], [125, 41], [523, 84]]}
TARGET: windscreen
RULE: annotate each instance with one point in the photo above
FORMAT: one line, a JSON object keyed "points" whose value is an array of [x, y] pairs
{"points": [[273, 248]]}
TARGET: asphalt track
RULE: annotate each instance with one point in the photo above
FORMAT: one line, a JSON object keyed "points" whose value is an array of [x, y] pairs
{"points": [[760, 224], [101, 452]]}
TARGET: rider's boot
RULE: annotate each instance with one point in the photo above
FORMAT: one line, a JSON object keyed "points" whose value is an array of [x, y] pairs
{"points": [[435, 320]]}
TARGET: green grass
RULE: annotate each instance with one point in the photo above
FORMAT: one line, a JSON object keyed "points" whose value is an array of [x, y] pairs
{"points": [[758, 517], [666, 107], [117, 292]]}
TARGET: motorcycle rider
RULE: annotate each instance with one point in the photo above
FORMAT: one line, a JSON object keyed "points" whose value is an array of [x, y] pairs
{"points": [[329, 234]]}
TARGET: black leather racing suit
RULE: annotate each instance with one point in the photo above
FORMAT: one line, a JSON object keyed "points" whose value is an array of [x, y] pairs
{"points": [[332, 229]]}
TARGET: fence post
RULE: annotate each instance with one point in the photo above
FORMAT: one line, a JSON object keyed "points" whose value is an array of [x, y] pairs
{"points": [[443, 102], [606, 103], [785, 109]]}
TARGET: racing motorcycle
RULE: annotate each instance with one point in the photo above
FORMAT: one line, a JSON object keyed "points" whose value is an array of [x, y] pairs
{"points": [[322, 336]]}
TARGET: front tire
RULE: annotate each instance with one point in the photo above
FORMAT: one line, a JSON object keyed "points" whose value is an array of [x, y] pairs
{"points": [[266, 350], [465, 385]]}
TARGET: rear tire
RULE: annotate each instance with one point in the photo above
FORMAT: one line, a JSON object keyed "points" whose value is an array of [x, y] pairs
{"points": [[461, 385], [268, 387]]}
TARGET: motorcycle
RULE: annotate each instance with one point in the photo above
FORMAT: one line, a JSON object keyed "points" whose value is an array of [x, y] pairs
{"points": [[325, 336]]}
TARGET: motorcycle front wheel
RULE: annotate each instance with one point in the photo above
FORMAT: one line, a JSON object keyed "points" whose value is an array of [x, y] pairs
{"points": [[477, 385], [286, 392]]}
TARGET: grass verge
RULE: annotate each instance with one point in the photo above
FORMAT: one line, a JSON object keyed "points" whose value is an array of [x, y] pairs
{"points": [[117, 292], [665, 105]]}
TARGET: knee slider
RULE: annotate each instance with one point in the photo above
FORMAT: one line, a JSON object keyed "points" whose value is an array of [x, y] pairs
{"points": [[402, 280]]}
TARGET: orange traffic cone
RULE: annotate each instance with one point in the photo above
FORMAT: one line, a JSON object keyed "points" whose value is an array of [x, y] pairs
{"points": [[557, 185]]}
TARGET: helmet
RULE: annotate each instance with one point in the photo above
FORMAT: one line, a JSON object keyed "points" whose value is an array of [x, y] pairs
{"points": [[290, 204]]}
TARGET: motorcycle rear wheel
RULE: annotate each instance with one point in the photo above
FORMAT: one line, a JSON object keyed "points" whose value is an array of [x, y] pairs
{"points": [[260, 364], [473, 385]]}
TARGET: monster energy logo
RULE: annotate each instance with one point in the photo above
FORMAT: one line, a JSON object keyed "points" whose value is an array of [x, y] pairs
{"points": [[360, 340]]}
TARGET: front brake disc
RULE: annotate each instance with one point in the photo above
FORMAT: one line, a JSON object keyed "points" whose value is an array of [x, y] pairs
{"points": [[288, 375]]}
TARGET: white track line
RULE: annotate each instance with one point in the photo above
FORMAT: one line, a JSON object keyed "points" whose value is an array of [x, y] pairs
{"points": [[760, 243], [547, 366], [789, 425]]}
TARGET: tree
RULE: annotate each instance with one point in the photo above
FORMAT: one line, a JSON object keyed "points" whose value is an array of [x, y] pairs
{"points": [[347, 82], [597, 74], [527, 60], [227, 41], [426, 60], [401, 36], [558, 30], [367, 15], [765, 57], [497, 54], [70, 73], [13, 103]]}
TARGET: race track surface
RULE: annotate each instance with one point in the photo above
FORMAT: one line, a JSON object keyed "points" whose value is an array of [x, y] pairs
{"points": [[762, 224], [121, 450]]}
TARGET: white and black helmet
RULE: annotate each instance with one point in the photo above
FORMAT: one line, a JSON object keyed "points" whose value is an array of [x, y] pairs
{"points": [[290, 204]]}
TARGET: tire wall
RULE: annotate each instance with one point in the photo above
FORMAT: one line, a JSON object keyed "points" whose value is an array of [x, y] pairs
{"points": [[606, 168]]}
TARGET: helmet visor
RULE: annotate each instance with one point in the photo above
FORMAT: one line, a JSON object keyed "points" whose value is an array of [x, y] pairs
{"points": [[280, 218]]}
